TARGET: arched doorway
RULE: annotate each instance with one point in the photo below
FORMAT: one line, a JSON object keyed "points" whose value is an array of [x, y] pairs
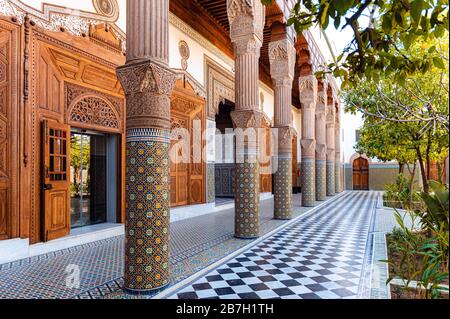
{"points": [[225, 153], [360, 174]]}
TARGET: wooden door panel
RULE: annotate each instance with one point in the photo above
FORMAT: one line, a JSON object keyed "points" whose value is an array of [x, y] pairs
{"points": [[58, 204], [173, 189], [182, 192], [195, 190], [9, 130], [56, 185], [360, 174]]}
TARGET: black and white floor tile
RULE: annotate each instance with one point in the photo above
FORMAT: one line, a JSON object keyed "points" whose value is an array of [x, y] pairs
{"points": [[319, 255]]}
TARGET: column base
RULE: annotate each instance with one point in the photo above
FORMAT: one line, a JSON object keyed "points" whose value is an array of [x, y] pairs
{"points": [[146, 292], [283, 218], [246, 237]]}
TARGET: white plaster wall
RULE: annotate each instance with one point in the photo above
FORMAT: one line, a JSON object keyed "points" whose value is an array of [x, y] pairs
{"points": [[198, 52], [268, 104], [349, 124]]}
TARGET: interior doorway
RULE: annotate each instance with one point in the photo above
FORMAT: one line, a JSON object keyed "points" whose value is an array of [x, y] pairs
{"points": [[225, 152], [93, 178], [360, 174]]}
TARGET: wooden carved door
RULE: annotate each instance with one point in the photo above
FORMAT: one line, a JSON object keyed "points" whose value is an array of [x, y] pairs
{"points": [[178, 176], [9, 130], [360, 174], [196, 164], [56, 180]]}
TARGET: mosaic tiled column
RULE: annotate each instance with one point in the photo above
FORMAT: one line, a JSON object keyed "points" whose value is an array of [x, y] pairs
{"points": [[321, 146], [246, 32], [282, 62], [331, 185], [148, 83], [308, 100], [337, 157]]}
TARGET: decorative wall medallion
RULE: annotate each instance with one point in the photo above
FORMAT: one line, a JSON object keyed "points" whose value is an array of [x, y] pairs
{"points": [[105, 7], [185, 53]]}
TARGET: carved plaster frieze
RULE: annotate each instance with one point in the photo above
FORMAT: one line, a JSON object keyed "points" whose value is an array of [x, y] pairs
{"points": [[220, 86], [54, 17]]}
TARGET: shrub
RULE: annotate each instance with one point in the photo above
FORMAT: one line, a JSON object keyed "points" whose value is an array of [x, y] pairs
{"points": [[398, 194], [421, 257]]}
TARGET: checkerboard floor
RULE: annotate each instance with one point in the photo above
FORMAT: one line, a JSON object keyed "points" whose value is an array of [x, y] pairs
{"points": [[320, 255]]}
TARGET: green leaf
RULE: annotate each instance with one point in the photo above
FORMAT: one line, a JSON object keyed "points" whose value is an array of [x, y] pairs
{"points": [[398, 18], [324, 15], [337, 22], [432, 49], [416, 10], [386, 23], [439, 63]]}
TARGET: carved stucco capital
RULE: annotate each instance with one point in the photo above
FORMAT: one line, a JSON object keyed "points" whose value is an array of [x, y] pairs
{"points": [[285, 136], [308, 91], [321, 104], [330, 115], [246, 19], [247, 118], [321, 151], [308, 148], [247, 45], [146, 76], [282, 60], [320, 115], [148, 87]]}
